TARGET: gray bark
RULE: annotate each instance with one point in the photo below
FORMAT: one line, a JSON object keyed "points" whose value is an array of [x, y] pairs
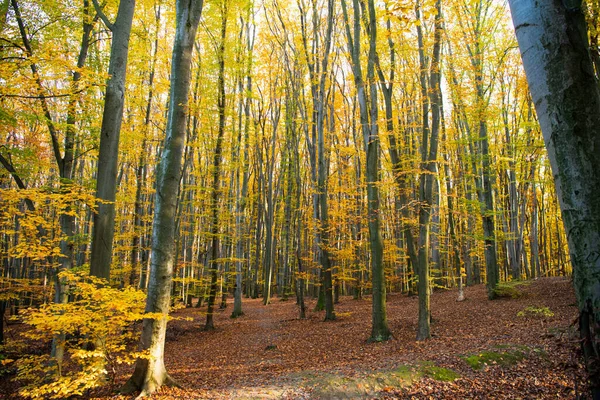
{"points": [[150, 374], [241, 201], [108, 155], [430, 96], [318, 71], [216, 170], [136, 249], [554, 46]]}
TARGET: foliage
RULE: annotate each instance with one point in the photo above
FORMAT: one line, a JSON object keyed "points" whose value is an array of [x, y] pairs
{"points": [[37, 230], [7, 355], [539, 312], [98, 325], [511, 289]]}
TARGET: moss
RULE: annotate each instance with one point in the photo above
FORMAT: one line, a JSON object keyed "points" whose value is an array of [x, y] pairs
{"points": [[369, 384], [439, 373], [506, 358], [405, 374], [512, 289]]}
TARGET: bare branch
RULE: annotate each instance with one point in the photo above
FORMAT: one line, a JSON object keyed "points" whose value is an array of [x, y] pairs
{"points": [[103, 16], [9, 167]]}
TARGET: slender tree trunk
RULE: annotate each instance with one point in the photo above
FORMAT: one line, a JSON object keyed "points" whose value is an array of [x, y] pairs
{"points": [[430, 96], [241, 201], [216, 171], [368, 118], [150, 373], [141, 167]]}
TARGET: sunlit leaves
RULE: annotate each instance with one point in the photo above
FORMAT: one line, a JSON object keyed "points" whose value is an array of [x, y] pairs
{"points": [[37, 232], [98, 326]]}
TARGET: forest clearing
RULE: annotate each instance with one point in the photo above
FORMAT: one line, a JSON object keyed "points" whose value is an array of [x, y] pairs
{"points": [[271, 354]]}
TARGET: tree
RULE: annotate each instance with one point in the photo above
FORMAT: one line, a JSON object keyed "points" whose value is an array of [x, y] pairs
{"points": [[150, 373], [216, 168], [429, 147], [318, 62], [368, 119], [554, 45], [242, 184], [114, 99], [65, 157]]}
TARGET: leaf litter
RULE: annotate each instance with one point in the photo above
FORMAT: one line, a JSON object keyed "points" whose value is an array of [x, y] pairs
{"points": [[268, 353]]}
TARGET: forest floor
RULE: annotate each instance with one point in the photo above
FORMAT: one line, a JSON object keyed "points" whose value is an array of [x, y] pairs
{"points": [[479, 349]]}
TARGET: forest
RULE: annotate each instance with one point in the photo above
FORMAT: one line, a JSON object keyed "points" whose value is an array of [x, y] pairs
{"points": [[299, 179]]}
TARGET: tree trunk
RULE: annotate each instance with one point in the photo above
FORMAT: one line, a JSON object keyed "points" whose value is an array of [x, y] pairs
{"points": [[150, 373], [216, 172], [136, 249], [368, 118], [108, 155], [554, 46], [428, 166], [242, 200]]}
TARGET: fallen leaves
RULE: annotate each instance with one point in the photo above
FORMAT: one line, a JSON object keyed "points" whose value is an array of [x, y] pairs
{"points": [[268, 352]]}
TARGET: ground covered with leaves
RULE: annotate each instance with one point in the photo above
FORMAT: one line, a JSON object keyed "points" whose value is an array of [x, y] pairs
{"points": [[510, 348]]}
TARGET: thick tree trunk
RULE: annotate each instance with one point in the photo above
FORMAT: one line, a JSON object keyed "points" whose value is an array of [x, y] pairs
{"points": [[554, 46], [108, 155], [150, 373]]}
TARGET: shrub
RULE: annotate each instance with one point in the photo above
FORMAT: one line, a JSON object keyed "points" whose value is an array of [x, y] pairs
{"points": [[536, 312], [510, 289], [97, 326]]}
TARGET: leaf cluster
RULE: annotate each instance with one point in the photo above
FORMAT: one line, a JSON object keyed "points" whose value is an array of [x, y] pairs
{"points": [[97, 326]]}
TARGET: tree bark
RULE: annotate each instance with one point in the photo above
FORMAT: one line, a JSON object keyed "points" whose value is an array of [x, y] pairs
{"points": [[108, 155], [368, 118], [429, 147], [216, 171], [150, 373], [554, 46], [242, 200]]}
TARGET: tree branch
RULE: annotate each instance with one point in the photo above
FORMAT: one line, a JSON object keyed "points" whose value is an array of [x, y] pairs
{"points": [[9, 167], [40, 88], [103, 16], [46, 96]]}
